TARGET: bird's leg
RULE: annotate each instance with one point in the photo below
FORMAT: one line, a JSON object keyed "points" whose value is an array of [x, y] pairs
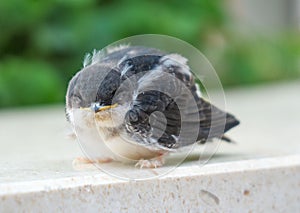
{"points": [[85, 160], [151, 163]]}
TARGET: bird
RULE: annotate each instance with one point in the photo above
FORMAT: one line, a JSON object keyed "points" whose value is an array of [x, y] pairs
{"points": [[138, 104]]}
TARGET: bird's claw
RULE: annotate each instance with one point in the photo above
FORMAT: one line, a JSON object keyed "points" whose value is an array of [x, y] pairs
{"points": [[151, 163]]}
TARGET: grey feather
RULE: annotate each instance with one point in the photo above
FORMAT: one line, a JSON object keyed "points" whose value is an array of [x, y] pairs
{"points": [[149, 80]]}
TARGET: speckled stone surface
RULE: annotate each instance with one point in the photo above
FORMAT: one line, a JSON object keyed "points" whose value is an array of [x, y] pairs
{"points": [[262, 185], [261, 173]]}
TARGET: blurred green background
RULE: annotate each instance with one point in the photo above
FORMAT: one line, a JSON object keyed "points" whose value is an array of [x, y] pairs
{"points": [[42, 43]]}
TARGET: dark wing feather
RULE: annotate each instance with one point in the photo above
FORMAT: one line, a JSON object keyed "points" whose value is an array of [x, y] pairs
{"points": [[169, 88]]}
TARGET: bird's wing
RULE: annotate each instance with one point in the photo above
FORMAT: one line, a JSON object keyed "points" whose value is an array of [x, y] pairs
{"points": [[167, 108]]}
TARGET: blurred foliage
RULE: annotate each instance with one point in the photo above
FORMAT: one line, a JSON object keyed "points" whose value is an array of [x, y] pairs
{"points": [[244, 61], [16, 87], [42, 43]]}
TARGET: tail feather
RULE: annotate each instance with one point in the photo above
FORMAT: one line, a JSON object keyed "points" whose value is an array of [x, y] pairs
{"points": [[231, 122], [227, 139]]}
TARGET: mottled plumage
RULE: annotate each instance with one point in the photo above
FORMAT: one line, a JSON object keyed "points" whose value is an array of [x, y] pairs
{"points": [[157, 105]]}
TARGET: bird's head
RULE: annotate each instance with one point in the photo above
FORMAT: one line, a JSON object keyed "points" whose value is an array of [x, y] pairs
{"points": [[92, 91]]}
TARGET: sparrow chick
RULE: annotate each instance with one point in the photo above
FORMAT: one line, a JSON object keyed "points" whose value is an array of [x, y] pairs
{"points": [[134, 103]]}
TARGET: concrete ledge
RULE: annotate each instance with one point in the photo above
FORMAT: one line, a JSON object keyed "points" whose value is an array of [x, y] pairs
{"points": [[247, 186]]}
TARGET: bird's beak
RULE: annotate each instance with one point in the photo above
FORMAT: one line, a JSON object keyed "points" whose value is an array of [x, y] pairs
{"points": [[102, 108], [96, 108]]}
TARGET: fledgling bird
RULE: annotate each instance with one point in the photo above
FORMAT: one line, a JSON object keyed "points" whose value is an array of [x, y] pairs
{"points": [[135, 103]]}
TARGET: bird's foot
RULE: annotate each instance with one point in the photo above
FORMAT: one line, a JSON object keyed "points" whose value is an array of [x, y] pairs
{"points": [[84, 160], [151, 163]]}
